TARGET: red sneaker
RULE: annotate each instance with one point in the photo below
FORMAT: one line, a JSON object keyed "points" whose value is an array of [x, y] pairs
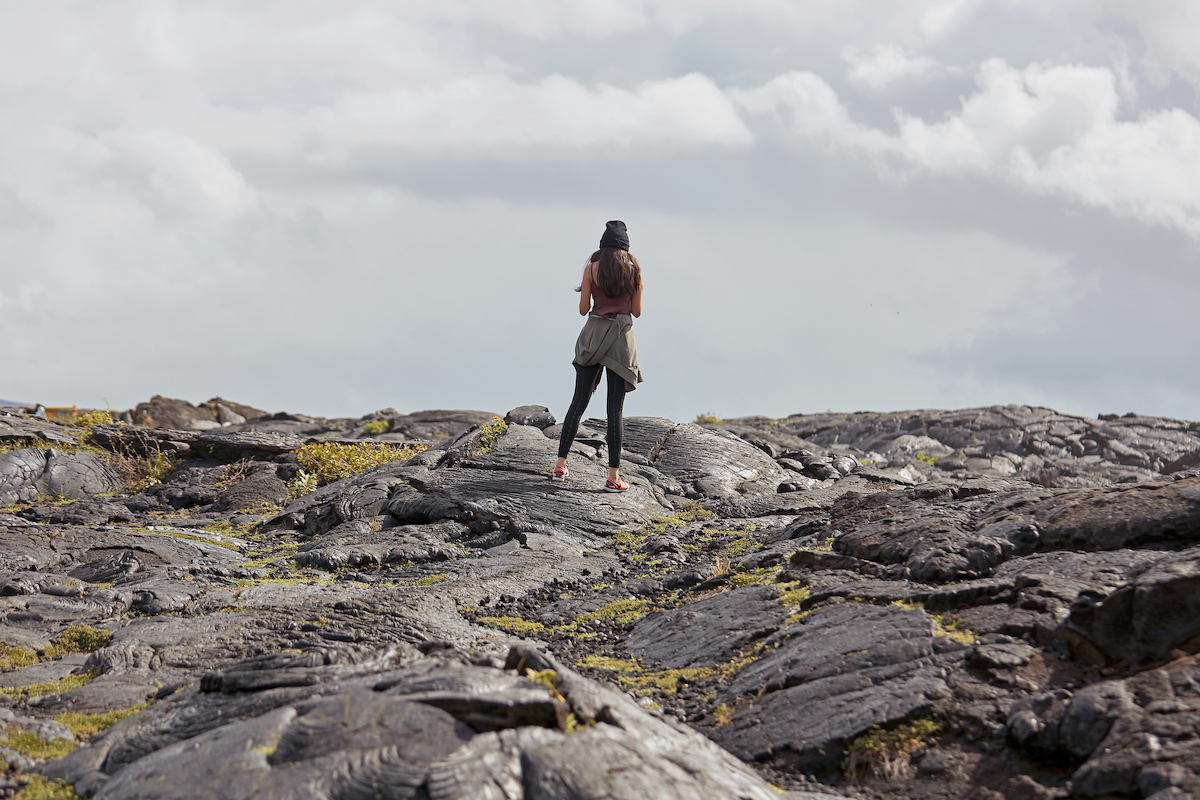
{"points": [[559, 474], [615, 486]]}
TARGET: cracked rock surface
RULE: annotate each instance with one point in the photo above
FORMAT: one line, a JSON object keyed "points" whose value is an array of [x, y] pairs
{"points": [[924, 604]]}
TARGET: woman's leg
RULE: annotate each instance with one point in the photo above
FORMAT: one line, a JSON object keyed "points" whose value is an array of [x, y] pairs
{"points": [[586, 381], [616, 422]]}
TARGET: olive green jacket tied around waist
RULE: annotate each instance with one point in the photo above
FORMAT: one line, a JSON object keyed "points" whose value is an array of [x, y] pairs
{"points": [[610, 342]]}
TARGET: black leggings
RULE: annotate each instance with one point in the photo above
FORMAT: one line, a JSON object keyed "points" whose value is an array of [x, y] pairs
{"points": [[586, 381]]}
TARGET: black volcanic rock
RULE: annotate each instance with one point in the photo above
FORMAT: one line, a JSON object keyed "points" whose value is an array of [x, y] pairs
{"points": [[1009, 593]]}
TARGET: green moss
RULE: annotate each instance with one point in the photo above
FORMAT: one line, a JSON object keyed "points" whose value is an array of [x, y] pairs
{"points": [[888, 753], [707, 419], [753, 577], [620, 612], [78, 639], [223, 527], [87, 725], [513, 625], [299, 581], [426, 580], [39, 788], [489, 435], [629, 542], [609, 664], [666, 681], [28, 743], [792, 594], [63, 684], [16, 657], [908, 605], [269, 555], [927, 459], [739, 545], [630, 674], [953, 629]]}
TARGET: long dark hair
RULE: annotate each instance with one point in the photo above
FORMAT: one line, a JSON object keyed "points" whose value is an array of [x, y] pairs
{"points": [[619, 272]]}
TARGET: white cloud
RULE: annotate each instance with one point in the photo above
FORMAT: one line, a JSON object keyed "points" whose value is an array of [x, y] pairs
{"points": [[941, 18], [1046, 129], [493, 110], [886, 65], [184, 172]]}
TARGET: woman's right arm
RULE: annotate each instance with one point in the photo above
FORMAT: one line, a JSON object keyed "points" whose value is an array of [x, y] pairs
{"points": [[585, 290], [635, 302]]}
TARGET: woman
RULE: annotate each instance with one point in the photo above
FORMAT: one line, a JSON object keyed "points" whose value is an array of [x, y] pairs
{"points": [[610, 296]]}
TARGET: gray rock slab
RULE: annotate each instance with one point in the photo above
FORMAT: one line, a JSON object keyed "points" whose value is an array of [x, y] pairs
{"points": [[709, 631], [424, 729], [1135, 737], [1143, 620], [837, 672], [45, 672], [262, 487], [709, 463], [1108, 519], [31, 430], [509, 486]]}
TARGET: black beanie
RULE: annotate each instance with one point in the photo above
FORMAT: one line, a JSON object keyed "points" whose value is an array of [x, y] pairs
{"points": [[615, 235]]}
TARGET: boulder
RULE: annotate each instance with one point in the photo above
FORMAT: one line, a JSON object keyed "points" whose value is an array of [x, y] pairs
{"points": [[27, 474], [537, 416]]}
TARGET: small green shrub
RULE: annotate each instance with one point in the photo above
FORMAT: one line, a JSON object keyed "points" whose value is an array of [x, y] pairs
{"points": [[490, 434], [329, 462], [86, 419], [376, 427], [142, 472], [927, 458], [888, 753], [304, 483], [707, 419]]}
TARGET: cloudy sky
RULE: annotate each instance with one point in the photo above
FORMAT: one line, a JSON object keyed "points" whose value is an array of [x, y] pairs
{"points": [[847, 204]]}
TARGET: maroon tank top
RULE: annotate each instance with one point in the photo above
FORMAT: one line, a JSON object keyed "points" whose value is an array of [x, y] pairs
{"points": [[605, 306]]}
